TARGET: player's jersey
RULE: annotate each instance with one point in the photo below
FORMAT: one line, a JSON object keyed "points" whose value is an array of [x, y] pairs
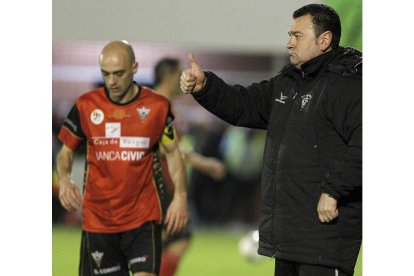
{"points": [[120, 192]]}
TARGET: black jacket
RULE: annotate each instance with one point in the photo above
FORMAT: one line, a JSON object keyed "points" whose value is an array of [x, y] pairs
{"points": [[313, 119]]}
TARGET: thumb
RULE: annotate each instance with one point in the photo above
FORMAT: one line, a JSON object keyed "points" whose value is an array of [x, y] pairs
{"points": [[193, 63]]}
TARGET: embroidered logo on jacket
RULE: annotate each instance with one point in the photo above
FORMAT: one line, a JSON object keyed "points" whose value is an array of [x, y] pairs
{"points": [[143, 113], [305, 99], [282, 98]]}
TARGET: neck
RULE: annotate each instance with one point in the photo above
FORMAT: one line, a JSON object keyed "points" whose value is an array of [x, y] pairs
{"points": [[163, 90], [129, 95]]}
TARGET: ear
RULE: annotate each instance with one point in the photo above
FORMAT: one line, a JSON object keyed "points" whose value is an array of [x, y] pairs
{"points": [[135, 67], [325, 40]]}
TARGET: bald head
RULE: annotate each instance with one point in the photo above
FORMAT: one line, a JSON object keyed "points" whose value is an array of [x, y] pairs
{"points": [[121, 50], [118, 66]]}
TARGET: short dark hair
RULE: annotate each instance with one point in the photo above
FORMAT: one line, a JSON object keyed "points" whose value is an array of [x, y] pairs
{"points": [[324, 18], [164, 66]]}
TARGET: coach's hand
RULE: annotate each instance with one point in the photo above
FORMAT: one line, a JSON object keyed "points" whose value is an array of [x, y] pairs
{"points": [[69, 194], [192, 79], [177, 215], [327, 208]]}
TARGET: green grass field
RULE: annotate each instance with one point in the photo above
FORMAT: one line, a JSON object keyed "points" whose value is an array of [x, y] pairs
{"points": [[212, 252]]}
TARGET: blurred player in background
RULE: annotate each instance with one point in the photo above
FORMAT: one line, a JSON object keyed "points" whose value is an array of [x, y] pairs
{"points": [[124, 125], [167, 74]]}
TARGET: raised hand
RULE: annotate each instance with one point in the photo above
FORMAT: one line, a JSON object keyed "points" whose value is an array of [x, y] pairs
{"points": [[192, 79]]}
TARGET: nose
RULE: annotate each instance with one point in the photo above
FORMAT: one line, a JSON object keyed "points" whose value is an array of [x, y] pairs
{"points": [[289, 43], [111, 79]]}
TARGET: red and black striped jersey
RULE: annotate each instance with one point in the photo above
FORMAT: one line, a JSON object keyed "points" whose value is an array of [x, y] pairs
{"points": [[120, 191]]}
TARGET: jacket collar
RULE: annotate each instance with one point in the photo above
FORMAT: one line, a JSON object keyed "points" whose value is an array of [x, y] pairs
{"points": [[312, 67]]}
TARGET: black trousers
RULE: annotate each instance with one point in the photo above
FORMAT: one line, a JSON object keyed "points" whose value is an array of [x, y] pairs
{"points": [[287, 268]]}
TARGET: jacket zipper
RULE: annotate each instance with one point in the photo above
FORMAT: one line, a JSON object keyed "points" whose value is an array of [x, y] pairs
{"points": [[277, 154]]}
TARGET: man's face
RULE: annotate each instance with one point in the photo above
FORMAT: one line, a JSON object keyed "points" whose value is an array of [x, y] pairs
{"points": [[303, 45], [176, 80], [117, 72]]}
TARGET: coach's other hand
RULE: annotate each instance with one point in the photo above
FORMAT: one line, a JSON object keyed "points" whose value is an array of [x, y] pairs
{"points": [[327, 208]]}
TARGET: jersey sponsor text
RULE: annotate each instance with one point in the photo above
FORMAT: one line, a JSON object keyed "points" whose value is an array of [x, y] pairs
{"points": [[103, 271], [124, 155]]}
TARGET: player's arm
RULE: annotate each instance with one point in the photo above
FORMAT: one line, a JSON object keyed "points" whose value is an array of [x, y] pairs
{"points": [[69, 194], [211, 166], [71, 135], [177, 214]]}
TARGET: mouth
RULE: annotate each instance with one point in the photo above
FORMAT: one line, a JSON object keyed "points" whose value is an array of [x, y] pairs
{"points": [[291, 55]]}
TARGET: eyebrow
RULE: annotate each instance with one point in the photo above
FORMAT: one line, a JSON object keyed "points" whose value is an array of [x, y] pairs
{"points": [[294, 33]]}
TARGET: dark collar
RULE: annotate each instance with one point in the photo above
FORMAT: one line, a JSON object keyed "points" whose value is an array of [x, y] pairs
{"points": [[133, 99], [312, 67]]}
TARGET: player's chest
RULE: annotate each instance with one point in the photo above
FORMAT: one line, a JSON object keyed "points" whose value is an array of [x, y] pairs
{"points": [[133, 126]]}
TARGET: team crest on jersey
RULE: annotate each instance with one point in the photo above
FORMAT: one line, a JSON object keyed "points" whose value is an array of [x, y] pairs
{"points": [[305, 99], [97, 116], [97, 257], [143, 113]]}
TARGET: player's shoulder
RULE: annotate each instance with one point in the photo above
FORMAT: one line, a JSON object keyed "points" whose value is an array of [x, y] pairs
{"points": [[149, 92]]}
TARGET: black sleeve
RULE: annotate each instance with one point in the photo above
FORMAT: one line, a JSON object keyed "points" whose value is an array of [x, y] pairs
{"points": [[170, 117], [169, 131], [240, 106], [344, 110], [72, 122]]}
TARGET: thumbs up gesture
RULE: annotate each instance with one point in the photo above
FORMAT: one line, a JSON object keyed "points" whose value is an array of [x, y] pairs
{"points": [[192, 79]]}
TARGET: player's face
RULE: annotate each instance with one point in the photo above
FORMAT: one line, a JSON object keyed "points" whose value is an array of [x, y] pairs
{"points": [[118, 72], [303, 45], [176, 80]]}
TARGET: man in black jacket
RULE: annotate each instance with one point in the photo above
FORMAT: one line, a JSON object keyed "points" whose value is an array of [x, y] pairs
{"points": [[311, 220]]}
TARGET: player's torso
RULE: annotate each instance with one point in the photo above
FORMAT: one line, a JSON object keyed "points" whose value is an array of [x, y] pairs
{"points": [[120, 143], [136, 125]]}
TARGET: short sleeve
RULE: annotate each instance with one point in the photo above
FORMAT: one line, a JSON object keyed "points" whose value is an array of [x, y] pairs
{"points": [[71, 133]]}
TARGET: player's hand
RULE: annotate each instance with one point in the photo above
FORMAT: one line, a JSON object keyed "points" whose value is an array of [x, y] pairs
{"points": [[69, 194], [327, 208], [177, 214], [192, 79], [217, 170]]}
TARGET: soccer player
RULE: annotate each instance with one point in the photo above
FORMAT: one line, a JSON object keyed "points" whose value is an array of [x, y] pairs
{"points": [[167, 83], [124, 125]]}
